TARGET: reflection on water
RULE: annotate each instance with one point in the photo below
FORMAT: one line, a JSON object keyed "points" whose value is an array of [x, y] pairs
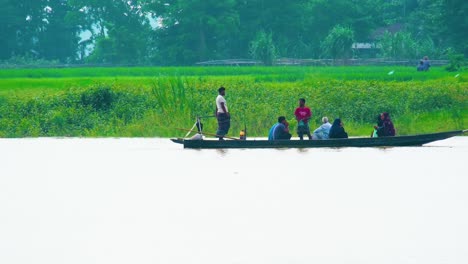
{"points": [[151, 201], [221, 152]]}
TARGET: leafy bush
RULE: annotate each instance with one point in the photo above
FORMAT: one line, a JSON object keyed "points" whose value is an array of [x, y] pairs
{"points": [[338, 43], [99, 98], [130, 108], [399, 45], [262, 48], [456, 62]]}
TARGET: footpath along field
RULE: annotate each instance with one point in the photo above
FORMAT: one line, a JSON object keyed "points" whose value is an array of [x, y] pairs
{"points": [[153, 101]]}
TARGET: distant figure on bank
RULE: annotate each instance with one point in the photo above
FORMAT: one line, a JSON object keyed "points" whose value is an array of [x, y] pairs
{"points": [[337, 130], [222, 114], [385, 127], [280, 130], [322, 132], [420, 66], [426, 63], [303, 115]]}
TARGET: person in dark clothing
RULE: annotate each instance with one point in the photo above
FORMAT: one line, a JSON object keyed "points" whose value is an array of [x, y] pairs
{"points": [[420, 66], [385, 127], [337, 130], [280, 130], [379, 124], [426, 63]]}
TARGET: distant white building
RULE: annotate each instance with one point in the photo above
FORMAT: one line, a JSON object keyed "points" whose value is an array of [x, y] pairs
{"points": [[358, 45], [365, 49]]}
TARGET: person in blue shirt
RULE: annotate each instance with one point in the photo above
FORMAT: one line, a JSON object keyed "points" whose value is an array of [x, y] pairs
{"points": [[280, 130], [426, 63], [420, 66]]}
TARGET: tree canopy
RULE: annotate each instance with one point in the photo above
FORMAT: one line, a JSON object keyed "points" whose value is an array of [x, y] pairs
{"points": [[183, 32]]}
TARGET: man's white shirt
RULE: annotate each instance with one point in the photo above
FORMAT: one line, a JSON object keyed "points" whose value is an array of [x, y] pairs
{"points": [[220, 99]]}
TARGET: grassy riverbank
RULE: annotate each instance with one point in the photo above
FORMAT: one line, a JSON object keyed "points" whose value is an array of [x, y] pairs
{"points": [[148, 102]]}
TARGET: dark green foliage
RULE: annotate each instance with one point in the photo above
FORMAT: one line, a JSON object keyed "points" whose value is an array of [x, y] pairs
{"points": [[100, 98], [263, 49], [40, 29], [75, 113], [183, 32], [195, 31], [457, 61], [455, 24], [399, 45], [338, 43]]}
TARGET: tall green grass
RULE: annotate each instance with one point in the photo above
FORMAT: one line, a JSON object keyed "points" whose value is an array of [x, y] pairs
{"points": [[280, 73], [159, 105]]}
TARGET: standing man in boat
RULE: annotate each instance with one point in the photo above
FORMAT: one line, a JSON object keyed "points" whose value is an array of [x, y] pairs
{"points": [[222, 114], [303, 115]]}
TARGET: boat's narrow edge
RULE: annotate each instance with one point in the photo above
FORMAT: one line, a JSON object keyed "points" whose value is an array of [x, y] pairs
{"points": [[431, 137]]}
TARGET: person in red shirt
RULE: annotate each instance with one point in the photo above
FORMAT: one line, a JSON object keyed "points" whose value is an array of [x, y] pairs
{"points": [[303, 115]]}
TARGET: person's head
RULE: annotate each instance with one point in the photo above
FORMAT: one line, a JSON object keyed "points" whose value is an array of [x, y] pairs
{"points": [[324, 119], [385, 116], [301, 102], [222, 90], [337, 122], [281, 119], [381, 116], [426, 58]]}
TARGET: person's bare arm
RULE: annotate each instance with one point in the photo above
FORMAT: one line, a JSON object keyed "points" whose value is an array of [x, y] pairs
{"points": [[224, 109], [308, 117]]}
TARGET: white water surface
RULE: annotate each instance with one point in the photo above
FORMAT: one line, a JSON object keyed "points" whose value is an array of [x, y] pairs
{"points": [[75, 200]]}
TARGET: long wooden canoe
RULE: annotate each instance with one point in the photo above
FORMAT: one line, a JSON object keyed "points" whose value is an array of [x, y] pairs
{"points": [[397, 141]]}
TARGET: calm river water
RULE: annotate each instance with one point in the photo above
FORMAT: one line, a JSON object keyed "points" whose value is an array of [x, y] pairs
{"points": [[151, 201]]}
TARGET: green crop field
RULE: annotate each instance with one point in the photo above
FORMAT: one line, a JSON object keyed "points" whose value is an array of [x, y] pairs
{"points": [[154, 101]]}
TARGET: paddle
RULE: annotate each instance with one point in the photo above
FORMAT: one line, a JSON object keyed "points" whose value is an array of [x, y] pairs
{"points": [[209, 134]]}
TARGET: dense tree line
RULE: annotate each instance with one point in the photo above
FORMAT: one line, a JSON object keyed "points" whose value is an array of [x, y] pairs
{"points": [[182, 32]]}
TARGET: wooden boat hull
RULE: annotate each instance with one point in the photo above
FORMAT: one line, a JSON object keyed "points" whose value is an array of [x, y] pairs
{"points": [[397, 141]]}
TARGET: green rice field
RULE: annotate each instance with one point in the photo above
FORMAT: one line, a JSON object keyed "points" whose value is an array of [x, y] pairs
{"points": [[157, 102]]}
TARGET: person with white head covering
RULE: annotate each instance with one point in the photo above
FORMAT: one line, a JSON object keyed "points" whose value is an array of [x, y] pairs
{"points": [[322, 131]]}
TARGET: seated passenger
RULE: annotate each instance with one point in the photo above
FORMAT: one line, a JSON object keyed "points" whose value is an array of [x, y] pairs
{"points": [[337, 130], [280, 130], [376, 128], [385, 127], [420, 66], [426, 63], [322, 131]]}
